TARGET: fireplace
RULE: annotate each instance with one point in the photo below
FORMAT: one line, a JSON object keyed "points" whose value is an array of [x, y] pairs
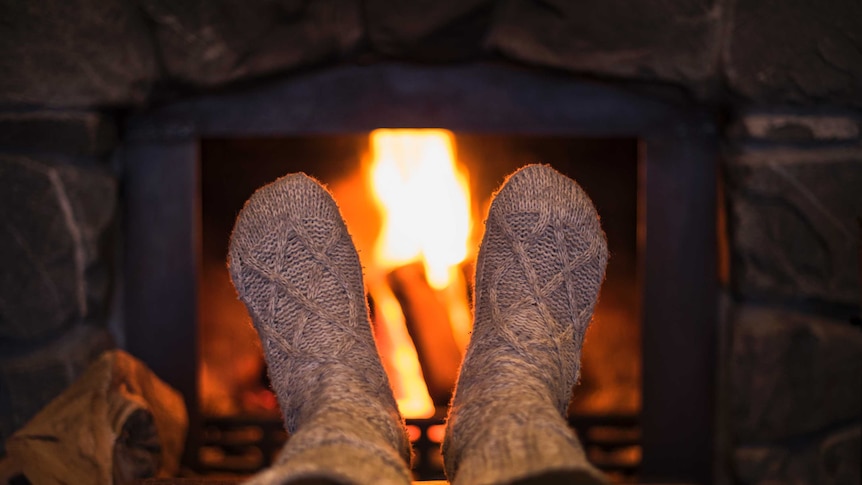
{"points": [[669, 279], [108, 108], [431, 321]]}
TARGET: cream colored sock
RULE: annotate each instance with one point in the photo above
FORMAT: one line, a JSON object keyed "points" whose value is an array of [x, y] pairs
{"points": [[296, 269], [538, 274]]}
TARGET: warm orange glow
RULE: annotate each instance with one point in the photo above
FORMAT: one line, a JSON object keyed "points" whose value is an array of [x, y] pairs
{"points": [[399, 355], [436, 433], [425, 200], [423, 197]]}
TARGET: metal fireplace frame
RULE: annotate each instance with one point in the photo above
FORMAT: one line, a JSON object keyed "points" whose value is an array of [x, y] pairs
{"points": [[677, 255]]}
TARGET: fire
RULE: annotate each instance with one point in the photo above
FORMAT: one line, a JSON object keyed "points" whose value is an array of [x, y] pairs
{"points": [[399, 356], [424, 200]]}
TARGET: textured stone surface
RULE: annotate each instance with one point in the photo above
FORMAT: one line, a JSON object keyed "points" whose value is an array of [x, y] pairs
{"points": [[28, 381], [779, 51], [675, 40], [428, 29], [794, 223], [787, 127], [74, 53], [832, 459], [211, 42], [792, 374], [69, 132], [53, 223]]}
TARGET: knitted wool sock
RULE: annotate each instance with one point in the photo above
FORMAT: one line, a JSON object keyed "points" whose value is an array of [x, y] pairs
{"points": [[538, 274], [296, 269]]}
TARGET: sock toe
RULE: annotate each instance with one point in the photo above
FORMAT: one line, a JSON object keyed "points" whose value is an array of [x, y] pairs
{"points": [[543, 246], [542, 190], [290, 197], [294, 265]]}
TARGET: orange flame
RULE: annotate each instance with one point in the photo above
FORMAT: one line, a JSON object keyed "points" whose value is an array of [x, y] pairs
{"points": [[399, 356], [424, 200]]}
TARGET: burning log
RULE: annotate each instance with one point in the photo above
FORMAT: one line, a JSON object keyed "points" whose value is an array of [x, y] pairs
{"points": [[115, 424], [428, 323]]}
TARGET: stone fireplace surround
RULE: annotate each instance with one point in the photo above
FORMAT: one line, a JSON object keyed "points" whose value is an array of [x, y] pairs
{"points": [[90, 85]]}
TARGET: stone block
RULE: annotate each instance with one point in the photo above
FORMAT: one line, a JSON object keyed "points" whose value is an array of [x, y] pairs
{"points": [[212, 42], [787, 127], [830, 460], [794, 223], [792, 374], [75, 53], [30, 380], [55, 220], [670, 40], [777, 52], [428, 29], [67, 132]]}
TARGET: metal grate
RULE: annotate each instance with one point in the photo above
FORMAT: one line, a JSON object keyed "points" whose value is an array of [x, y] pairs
{"points": [[612, 443], [243, 445]]}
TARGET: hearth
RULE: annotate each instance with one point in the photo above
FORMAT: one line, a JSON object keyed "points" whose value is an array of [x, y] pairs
{"points": [[177, 155]]}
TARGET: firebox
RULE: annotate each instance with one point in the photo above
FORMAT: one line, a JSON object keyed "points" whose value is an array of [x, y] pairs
{"points": [[644, 407], [420, 312]]}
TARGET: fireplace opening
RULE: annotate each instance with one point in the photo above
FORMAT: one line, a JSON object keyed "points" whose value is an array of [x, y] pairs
{"points": [[242, 428]]}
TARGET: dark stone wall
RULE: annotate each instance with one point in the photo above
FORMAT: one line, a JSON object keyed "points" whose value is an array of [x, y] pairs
{"points": [[676, 41], [795, 232], [55, 217], [75, 53], [84, 53], [58, 203], [794, 385], [779, 51], [790, 374], [206, 43], [786, 75]]}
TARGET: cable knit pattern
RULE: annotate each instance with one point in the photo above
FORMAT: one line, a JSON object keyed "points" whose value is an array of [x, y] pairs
{"points": [[296, 269], [538, 274]]}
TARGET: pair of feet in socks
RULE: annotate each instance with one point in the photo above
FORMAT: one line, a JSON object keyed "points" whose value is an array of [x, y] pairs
{"points": [[538, 273]]}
